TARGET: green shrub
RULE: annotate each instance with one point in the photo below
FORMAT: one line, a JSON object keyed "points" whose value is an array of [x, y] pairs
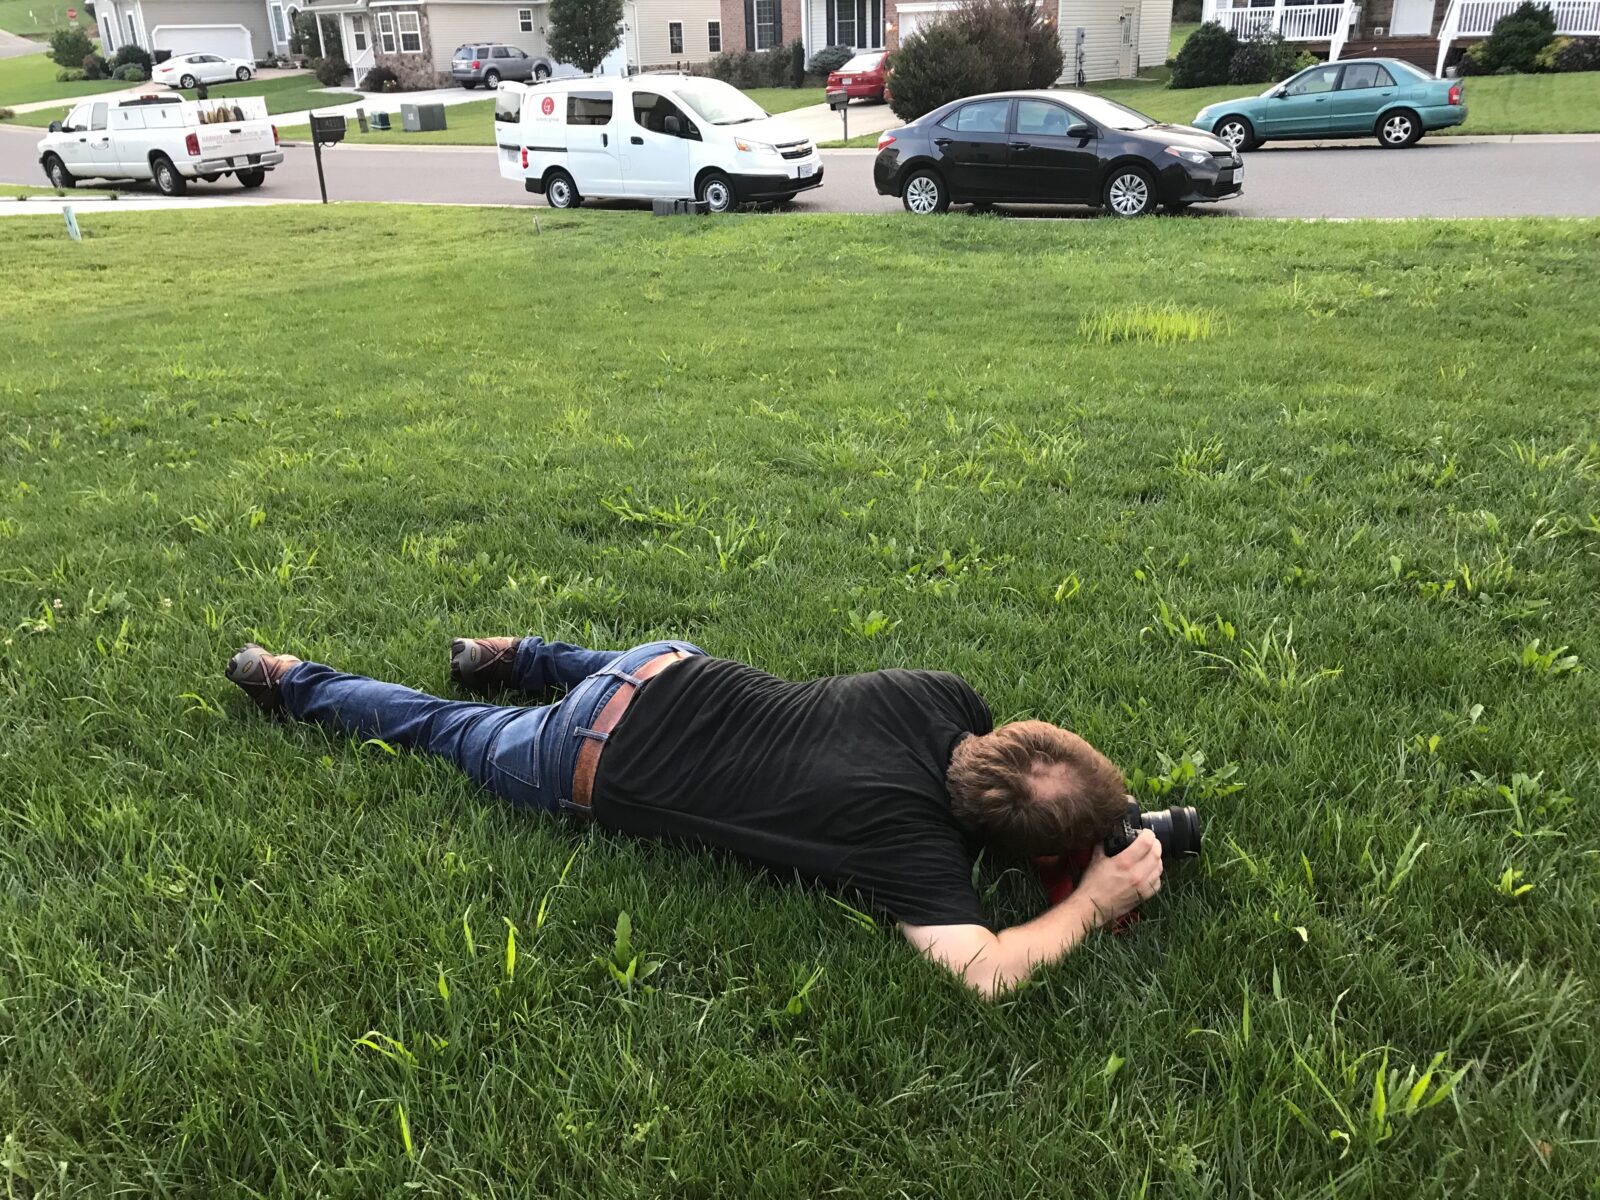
{"points": [[737, 67], [984, 46], [1570, 54], [1206, 59], [1514, 44], [829, 59], [797, 63], [1263, 59], [69, 47], [95, 67], [130, 73], [330, 71], [70, 75], [129, 55], [380, 79], [6, 114]]}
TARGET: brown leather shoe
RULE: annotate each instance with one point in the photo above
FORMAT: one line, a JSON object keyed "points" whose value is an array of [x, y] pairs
{"points": [[259, 674], [483, 663]]}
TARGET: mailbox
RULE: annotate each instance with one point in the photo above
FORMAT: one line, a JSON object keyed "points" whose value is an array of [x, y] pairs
{"points": [[838, 100], [327, 129]]}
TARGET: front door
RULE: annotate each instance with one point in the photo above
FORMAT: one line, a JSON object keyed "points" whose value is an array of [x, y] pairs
{"points": [[1302, 108], [1411, 18], [1045, 163], [362, 54], [593, 131], [655, 162], [974, 148], [1363, 92]]}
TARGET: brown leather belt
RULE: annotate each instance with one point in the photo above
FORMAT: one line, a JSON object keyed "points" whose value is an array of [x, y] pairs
{"points": [[589, 753]]}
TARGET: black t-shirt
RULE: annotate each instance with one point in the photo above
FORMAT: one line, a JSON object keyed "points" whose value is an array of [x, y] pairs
{"points": [[840, 779]]}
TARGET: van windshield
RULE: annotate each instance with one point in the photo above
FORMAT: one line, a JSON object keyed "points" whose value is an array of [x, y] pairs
{"points": [[719, 104]]}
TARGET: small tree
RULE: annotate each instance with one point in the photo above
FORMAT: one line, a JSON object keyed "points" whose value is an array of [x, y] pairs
{"points": [[1206, 58], [984, 46], [129, 54], [69, 47], [583, 32], [1517, 38]]}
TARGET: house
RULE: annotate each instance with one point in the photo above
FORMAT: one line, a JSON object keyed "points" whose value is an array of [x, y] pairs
{"points": [[417, 38], [1100, 39], [1418, 31], [249, 29]]}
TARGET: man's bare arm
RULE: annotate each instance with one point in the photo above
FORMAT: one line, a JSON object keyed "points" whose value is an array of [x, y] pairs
{"points": [[992, 962]]}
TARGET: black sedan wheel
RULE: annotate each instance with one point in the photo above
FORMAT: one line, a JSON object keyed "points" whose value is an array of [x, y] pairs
{"points": [[924, 193], [1130, 192]]}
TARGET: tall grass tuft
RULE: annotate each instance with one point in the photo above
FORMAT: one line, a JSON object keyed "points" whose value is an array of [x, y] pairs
{"points": [[1160, 324]]}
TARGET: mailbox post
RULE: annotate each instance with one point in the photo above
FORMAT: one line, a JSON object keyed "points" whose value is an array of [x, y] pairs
{"points": [[840, 103], [327, 129]]}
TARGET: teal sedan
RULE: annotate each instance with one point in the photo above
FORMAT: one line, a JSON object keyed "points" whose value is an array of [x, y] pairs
{"points": [[1384, 98]]}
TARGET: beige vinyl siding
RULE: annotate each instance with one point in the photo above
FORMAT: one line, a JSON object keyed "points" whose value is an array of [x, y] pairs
{"points": [[1155, 33], [453, 25], [252, 14], [1102, 44], [651, 17]]}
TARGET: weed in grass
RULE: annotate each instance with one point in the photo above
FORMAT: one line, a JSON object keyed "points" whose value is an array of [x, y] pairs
{"points": [[1161, 325], [1555, 661], [1273, 664]]}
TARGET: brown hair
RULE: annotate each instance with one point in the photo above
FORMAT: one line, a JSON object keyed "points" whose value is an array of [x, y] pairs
{"points": [[1034, 788]]}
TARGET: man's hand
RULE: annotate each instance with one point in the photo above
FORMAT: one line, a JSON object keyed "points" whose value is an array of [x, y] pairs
{"points": [[989, 962], [1122, 882]]}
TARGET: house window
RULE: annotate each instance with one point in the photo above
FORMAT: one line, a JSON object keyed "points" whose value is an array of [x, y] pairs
{"points": [[358, 32], [525, 20], [279, 33], [386, 32], [845, 25], [856, 23], [410, 33], [674, 37], [132, 36], [714, 36], [766, 24]]}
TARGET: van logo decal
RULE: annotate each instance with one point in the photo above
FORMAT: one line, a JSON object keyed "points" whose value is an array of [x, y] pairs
{"points": [[547, 105]]}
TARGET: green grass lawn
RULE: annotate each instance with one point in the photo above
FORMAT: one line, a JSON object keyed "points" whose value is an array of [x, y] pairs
{"points": [[1296, 520], [32, 77], [292, 93], [1495, 104], [17, 191], [29, 17], [1180, 35], [472, 123]]}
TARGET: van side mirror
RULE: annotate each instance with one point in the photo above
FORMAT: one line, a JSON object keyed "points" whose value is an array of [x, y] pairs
{"points": [[1080, 129], [55, 127], [673, 126]]}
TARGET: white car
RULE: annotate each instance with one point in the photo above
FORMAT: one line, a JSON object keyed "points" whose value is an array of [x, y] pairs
{"points": [[186, 70], [649, 137], [165, 139]]}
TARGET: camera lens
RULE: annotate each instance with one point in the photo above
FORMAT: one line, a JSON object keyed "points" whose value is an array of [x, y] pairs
{"points": [[1177, 829]]}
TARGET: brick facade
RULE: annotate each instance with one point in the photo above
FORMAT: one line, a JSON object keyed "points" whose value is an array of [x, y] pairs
{"points": [[737, 34]]}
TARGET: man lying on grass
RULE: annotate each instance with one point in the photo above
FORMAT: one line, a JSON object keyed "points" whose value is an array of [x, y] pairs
{"points": [[882, 783]]}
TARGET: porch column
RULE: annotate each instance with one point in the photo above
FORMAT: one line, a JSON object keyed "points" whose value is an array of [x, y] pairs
{"points": [[322, 42], [1277, 16]]}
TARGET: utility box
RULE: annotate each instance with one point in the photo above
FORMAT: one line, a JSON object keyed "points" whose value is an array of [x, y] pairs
{"points": [[679, 208], [421, 118], [327, 129], [380, 120]]}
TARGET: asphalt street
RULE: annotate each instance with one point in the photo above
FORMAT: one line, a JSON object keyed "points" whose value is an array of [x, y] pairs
{"points": [[1440, 177]]}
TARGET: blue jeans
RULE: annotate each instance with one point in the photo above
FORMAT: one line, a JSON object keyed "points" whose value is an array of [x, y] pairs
{"points": [[526, 755]]}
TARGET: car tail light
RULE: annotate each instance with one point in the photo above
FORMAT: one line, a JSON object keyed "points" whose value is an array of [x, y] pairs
{"points": [[885, 140], [1455, 93], [476, 64], [275, 135], [192, 145], [524, 158]]}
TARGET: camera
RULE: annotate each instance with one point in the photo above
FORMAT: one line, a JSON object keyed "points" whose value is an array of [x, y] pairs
{"points": [[1177, 829]]}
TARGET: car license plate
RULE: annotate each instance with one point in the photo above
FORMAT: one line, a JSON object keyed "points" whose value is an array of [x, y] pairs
{"points": [[241, 161], [804, 172], [848, 81]]}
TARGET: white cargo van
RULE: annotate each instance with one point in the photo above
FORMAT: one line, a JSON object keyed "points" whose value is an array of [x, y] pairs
{"points": [[165, 138], [649, 137]]}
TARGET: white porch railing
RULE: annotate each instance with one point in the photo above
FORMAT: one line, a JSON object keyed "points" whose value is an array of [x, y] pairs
{"points": [[1477, 18], [1312, 22]]}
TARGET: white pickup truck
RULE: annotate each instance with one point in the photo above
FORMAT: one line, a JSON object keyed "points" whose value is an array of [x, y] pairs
{"points": [[165, 138]]}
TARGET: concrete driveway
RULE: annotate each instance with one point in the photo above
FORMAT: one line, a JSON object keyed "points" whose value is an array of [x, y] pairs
{"points": [[12, 46]]}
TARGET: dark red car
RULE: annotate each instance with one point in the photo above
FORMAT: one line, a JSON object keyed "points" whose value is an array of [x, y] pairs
{"points": [[861, 78]]}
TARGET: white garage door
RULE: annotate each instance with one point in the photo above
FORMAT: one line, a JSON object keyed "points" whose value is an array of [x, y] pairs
{"points": [[911, 16], [230, 41]]}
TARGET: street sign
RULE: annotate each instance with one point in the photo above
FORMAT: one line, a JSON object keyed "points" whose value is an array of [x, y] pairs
{"points": [[72, 14]]}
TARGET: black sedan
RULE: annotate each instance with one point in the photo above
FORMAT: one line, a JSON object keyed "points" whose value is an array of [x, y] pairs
{"points": [[1052, 148]]}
